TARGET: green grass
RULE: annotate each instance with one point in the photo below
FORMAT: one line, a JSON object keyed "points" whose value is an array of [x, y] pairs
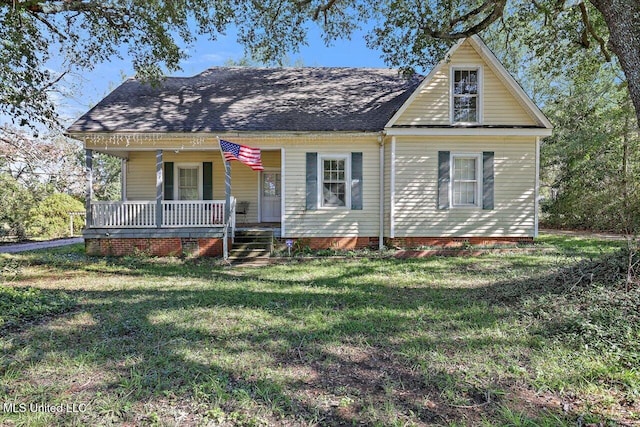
{"points": [[510, 339]]}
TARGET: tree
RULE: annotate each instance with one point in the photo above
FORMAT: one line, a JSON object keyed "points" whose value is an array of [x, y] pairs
{"points": [[409, 29], [50, 218], [15, 202], [592, 156], [593, 153], [43, 164], [107, 177], [409, 33]]}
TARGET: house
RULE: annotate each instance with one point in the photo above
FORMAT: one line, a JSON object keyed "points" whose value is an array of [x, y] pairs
{"points": [[353, 157]]}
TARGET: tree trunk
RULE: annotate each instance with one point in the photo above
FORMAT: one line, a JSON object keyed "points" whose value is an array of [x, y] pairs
{"points": [[623, 19]]}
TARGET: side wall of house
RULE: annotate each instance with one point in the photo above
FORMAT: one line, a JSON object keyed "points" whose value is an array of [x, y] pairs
{"points": [[416, 195], [332, 222], [299, 222], [416, 213]]}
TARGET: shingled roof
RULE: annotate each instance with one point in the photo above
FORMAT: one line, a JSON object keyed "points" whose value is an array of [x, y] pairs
{"points": [[224, 99]]}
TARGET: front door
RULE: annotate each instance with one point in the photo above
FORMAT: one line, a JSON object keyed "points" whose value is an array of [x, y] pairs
{"points": [[270, 196]]}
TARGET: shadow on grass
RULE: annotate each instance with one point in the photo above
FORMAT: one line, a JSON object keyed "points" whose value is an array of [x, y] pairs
{"points": [[325, 343]]}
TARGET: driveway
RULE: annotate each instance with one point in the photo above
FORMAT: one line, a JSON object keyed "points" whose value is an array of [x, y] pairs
{"points": [[32, 246]]}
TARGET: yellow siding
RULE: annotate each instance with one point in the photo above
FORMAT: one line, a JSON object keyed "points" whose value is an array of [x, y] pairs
{"points": [[416, 188], [331, 222], [432, 105], [245, 183], [141, 170], [141, 176]]}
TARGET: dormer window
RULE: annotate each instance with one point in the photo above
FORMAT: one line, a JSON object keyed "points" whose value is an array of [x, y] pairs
{"points": [[465, 94]]}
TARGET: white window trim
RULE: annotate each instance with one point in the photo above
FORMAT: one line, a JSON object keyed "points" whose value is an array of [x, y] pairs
{"points": [[479, 184], [480, 96], [347, 179], [176, 178]]}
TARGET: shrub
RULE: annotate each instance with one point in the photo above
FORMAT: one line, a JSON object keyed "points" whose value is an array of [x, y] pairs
{"points": [[15, 202], [50, 218]]}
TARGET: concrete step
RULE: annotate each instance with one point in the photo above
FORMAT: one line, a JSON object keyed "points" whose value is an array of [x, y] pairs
{"points": [[252, 245], [249, 253], [240, 258], [249, 239], [254, 232]]}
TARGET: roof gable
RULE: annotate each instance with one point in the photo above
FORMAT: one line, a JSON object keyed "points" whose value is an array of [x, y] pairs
{"points": [[228, 99], [503, 102]]}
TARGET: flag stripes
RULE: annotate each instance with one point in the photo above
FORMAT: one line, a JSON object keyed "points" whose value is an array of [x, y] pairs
{"points": [[248, 155]]}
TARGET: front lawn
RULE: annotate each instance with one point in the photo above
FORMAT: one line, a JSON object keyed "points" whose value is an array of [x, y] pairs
{"points": [[509, 339]]}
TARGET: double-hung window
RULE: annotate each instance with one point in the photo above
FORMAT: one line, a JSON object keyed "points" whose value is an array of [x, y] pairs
{"points": [[188, 182], [334, 191], [465, 95], [466, 180]]}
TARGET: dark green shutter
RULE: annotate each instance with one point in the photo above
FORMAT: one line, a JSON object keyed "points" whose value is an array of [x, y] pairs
{"points": [[443, 179], [168, 180], [487, 180], [356, 181], [207, 181], [312, 181]]}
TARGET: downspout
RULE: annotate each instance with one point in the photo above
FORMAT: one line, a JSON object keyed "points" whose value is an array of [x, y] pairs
{"points": [[381, 192], [392, 196], [537, 189]]}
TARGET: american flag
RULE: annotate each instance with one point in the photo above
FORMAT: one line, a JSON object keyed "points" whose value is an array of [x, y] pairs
{"points": [[248, 155]]}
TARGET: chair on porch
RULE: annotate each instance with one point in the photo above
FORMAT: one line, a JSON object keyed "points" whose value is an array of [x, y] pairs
{"points": [[241, 209]]}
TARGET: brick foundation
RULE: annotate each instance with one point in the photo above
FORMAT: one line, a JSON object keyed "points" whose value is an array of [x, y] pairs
{"points": [[454, 242], [343, 243], [157, 246]]}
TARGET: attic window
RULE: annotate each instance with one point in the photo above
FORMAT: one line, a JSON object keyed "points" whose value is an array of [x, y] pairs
{"points": [[465, 95]]}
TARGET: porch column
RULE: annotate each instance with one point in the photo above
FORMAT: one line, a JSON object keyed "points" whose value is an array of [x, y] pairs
{"points": [[159, 181], [227, 191], [123, 179], [89, 191]]}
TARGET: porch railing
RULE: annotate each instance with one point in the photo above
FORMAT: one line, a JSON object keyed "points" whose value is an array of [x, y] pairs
{"points": [[142, 214], [129, 214], [193, 213]]}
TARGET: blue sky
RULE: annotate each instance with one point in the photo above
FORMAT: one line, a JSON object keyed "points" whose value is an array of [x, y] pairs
{"points": [[93, 85]]}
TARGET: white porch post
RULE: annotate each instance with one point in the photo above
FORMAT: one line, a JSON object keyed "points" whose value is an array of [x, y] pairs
{"points": [[123, 179], [159, 182], [227, 191], [89, 191]]}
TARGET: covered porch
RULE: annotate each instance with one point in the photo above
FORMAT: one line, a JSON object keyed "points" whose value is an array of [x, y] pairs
{"points": [[182, 196]]}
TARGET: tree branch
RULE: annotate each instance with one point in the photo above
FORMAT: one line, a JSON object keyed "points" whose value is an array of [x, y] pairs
{"points": [[589, 28], [496, 13], [53, 7], [486, 5], [48, 24], [323, 9]]}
